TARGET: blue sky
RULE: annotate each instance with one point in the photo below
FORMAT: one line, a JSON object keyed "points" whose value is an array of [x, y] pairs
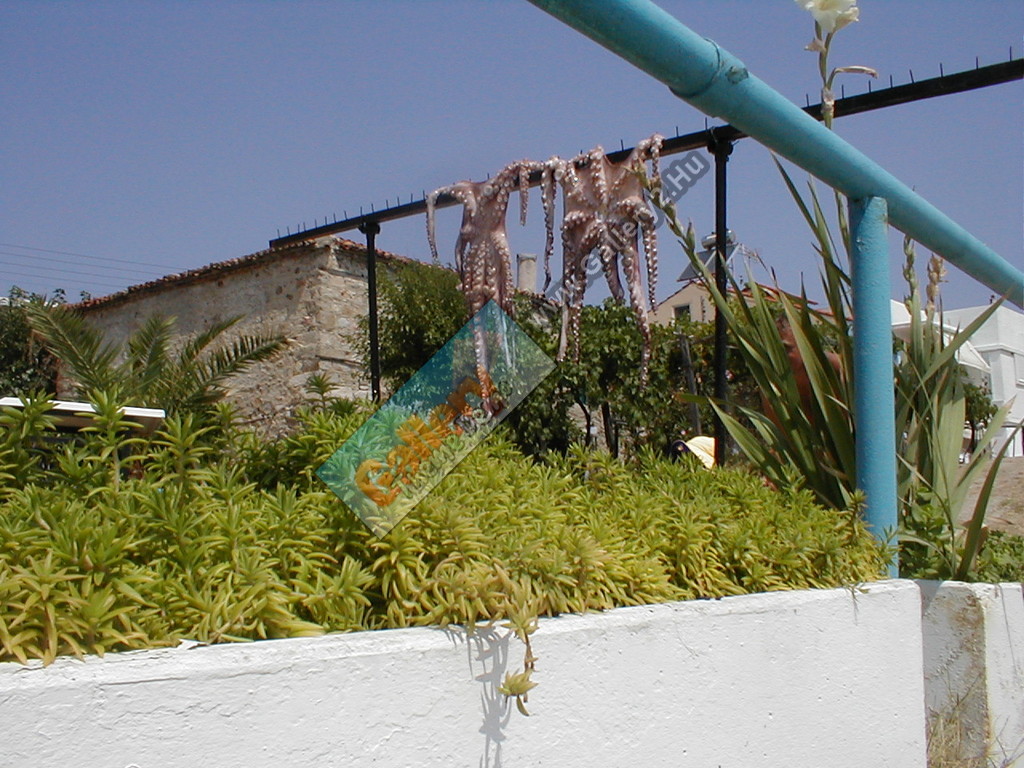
{"points": [[144, 138]]}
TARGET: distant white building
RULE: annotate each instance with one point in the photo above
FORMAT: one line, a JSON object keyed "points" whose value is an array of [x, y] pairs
{"points": [[1000, 342]]}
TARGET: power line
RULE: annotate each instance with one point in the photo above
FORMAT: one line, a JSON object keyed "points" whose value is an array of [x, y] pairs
{"points": [[84, 255], [121, 270], [75, 272], [49, 278]]}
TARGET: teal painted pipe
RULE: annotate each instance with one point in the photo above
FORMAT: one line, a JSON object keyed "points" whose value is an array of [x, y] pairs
{"points": [[874, 398], [718, 84]]}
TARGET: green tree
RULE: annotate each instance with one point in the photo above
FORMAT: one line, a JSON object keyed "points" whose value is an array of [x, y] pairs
{"points": [[980, 409], [420, 308], [25, 364]]}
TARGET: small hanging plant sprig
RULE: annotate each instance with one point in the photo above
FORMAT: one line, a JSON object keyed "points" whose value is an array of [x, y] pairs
{"points": [[829, 17], [522, 620]]}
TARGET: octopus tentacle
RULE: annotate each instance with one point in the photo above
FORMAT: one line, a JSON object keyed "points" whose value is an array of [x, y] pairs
{"points": [[631, 267], [650, 238], [431, 226], [552, 169], [609, 256], [525, 166], [650, 242], [574, 276]]}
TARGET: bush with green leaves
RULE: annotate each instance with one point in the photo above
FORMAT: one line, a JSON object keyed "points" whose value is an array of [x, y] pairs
{"points": [[110, 542], [25, 363], [1001, 558], [421, 309]]}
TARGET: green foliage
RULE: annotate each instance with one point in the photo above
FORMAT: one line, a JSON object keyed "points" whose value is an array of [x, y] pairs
{"points": [[170, 538], [797, 438], [24, 442], [25, 364], [808, 438], [1002, 559], [419, 309], [606, 380], [979, 409], [931, 408], [151, 368]]}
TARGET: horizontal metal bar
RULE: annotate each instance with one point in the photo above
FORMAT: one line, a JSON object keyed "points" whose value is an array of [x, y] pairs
{"points": [[959, 82]]}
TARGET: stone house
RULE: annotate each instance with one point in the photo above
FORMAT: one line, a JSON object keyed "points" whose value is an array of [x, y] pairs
{"points": [[313, 293]]}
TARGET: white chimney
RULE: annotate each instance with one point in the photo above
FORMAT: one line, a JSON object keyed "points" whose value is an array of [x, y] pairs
{"points": [[526, 272]]}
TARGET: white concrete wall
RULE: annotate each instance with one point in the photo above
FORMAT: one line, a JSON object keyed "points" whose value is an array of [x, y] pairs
{"points": [[814, 678], [974, 665]]}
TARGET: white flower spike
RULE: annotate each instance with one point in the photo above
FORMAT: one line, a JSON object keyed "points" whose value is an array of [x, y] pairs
{"points": [[831, 15]]}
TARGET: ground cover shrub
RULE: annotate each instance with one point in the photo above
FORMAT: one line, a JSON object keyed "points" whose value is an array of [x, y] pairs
{"points": [[187, 534], [1002, 558]]}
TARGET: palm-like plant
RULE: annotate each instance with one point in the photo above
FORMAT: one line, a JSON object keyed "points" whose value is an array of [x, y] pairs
{"points": [[149, 368]]}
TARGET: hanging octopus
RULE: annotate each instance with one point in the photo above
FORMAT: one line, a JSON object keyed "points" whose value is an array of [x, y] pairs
{"points": [[483, 257], [604, 210]]}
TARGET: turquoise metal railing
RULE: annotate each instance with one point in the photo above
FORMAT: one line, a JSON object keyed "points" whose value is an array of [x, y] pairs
{"points": [[717, 83], [874, 406]]}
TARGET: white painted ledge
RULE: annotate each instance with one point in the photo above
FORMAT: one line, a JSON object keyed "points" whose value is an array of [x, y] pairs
{"points": [[811, 678]]}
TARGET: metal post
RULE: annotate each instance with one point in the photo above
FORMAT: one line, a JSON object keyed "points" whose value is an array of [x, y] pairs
{"points": [[691, 384], [721, 150], [371, 229], [874, 397]]}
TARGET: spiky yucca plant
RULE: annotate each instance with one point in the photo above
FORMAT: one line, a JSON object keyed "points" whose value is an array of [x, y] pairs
{"points": [[811, 441]]}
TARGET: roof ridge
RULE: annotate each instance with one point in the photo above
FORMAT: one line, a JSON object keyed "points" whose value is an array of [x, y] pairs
{"points": [[228, 265]]}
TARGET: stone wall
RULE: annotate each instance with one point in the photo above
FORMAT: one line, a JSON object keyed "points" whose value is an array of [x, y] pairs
{"points": [[312, 293]]}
